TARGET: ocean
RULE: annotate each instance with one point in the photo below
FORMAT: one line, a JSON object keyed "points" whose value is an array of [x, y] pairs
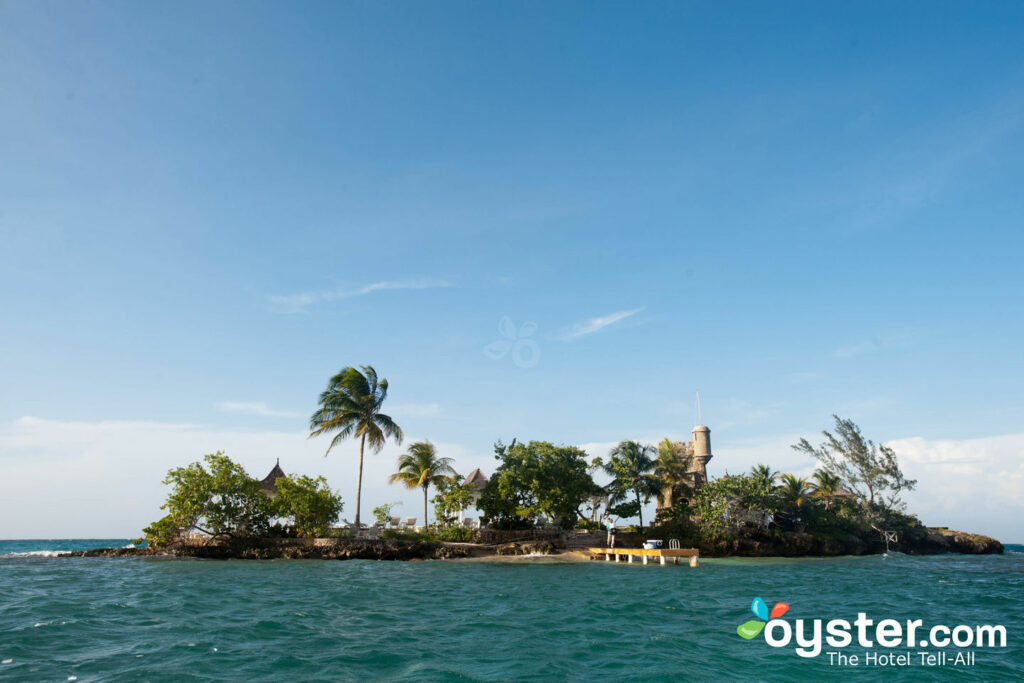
{"points": [[159, 619]]}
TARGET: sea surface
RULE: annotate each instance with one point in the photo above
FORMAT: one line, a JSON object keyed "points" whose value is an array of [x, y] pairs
{"points": [[160, 619]]}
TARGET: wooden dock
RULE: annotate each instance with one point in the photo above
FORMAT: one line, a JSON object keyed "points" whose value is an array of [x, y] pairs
{"points": [[663, 554]]}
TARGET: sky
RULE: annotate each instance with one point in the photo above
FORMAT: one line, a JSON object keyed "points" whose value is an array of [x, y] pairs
{"points": [[551, 221]]}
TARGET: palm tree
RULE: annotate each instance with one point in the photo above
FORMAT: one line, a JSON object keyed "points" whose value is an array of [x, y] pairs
{"points": [[826, 485], [764, 475], [350, 406], [631, 464], [421, 467], [671, 471], [794, 489]]}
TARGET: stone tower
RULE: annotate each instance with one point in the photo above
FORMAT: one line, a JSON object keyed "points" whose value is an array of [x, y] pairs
{"points": [[694, 455], [700, 454]]}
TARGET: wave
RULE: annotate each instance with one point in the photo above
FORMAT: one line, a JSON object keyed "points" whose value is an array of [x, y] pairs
{"points": [[38, 553]]}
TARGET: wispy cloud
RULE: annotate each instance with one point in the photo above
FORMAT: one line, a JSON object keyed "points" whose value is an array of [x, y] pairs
{"points": [[293, 303], [252, 408], [593, 325]]}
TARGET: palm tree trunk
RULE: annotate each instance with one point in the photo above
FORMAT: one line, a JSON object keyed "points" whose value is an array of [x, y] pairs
{"points": [[359, 481], [641, 507], [425, 506]]}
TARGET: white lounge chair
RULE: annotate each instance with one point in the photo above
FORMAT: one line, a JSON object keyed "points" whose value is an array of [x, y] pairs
{"points": [[467, 522], [396, 522], [410, 522]]}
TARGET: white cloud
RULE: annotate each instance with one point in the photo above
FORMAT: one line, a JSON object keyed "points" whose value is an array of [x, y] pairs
{"points": [[66, 479], [969, 485], [594, 324], [252, 408], [293, 303]]}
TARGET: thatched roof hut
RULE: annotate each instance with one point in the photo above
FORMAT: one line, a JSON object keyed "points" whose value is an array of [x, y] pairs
{"points": [[476, 479], [269, 483]]}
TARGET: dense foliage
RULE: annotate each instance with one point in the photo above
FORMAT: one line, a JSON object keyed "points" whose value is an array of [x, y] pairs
{"points": [[854, 493], [730, 503], [308, 504], [453, 496], [534, 479], [217, 497]]}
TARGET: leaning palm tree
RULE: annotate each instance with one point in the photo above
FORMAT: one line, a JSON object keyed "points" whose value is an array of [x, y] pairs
{"points": [[826, 485], [631, 465], [421, 467], [350, 406]]}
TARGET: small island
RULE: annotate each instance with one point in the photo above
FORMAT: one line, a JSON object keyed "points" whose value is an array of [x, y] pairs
{"points": [[542, 499]]}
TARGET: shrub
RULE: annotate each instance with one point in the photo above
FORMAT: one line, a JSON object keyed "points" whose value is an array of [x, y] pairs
{"points": [[308, 503], [454, 534]]}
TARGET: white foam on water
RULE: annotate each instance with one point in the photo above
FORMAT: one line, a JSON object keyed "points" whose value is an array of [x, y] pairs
{"points": [[39, 553], [6, 661]]}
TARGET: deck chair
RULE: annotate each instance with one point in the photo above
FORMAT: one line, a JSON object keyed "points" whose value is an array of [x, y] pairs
{"points": [[410, 522], [396, 522]]}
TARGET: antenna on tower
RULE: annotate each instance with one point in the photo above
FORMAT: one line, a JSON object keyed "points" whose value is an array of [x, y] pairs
{"points": [[700, 419]]}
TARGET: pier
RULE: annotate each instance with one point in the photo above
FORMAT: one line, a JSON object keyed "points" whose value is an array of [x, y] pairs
{"points": [[663, 554]]}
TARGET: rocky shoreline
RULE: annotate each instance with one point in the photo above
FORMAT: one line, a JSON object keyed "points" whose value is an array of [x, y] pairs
{"points": [[790, 544], [793, 544]]}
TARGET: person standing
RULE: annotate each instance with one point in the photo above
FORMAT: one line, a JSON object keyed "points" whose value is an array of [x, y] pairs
{"points": [[611, 531]]}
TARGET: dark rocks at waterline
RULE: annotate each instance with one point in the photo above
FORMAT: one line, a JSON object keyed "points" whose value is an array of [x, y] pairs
{"points": [[526, 548], [946, 541], [309, 549], [795, 544]]}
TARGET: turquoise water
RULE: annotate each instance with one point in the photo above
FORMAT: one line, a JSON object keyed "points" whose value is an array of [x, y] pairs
{"points": [[162, 619]]}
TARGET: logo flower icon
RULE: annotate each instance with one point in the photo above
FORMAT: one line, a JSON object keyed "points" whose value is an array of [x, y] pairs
{"points": [[750, 629], [525, 352]]}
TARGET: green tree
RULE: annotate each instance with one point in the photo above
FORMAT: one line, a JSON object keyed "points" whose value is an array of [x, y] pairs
{"points": [[350, 407], [453, 496], [727, 504], [382, 513], [631, 465], [535, 479], [419, 468], [218, 498], [826, 486], [870, 471], [309, 504], [671, 470]]}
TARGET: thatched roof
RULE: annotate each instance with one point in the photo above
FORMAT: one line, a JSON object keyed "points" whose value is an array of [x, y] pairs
{"points": [[476, 479], [269, 481]]}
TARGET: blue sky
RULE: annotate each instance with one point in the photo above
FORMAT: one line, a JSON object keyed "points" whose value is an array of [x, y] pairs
{"points": [[797, 209]]}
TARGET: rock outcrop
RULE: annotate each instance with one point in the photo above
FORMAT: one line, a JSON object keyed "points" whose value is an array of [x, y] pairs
{"points": [[526, 548], [312, 549]]}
